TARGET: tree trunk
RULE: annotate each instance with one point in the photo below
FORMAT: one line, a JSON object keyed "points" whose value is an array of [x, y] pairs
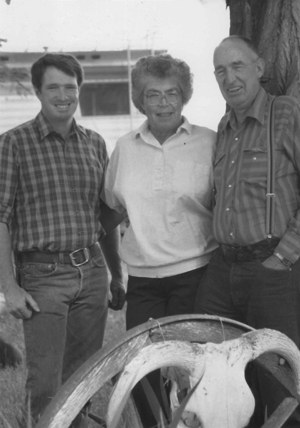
{"points": [[274, 28]]}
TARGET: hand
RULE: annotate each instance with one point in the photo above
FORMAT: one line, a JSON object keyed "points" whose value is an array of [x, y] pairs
{"points": [[117, 295], [20, 303], [273, 262]]}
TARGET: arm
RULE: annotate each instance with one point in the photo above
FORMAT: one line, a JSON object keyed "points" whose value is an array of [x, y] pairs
{"points": [[20, 303], [273, 262], [289, 245], [110, 247], [110, 218]]}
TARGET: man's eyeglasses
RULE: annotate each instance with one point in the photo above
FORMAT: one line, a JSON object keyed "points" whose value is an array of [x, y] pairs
{"points": [[155, 98]]}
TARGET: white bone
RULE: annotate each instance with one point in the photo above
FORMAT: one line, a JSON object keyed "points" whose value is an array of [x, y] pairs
{"points": [[222, 398], [156, 355]]}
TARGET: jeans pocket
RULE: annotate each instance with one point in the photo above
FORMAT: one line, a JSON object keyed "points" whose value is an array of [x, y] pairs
{"points": [[98, 260], [277, 272], [273, 280], [38, 270]]}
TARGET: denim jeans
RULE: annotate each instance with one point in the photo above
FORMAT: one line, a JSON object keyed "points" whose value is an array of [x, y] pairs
{"points": [[69, 327], [250, 293], [260, 297]]}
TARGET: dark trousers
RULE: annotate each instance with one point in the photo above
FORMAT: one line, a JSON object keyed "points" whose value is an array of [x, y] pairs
{"points": [[156, 298], [260, 297], [69, 327]]}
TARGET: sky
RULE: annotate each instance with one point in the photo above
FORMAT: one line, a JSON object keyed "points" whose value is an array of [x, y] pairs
{"points": [[187, 29]]}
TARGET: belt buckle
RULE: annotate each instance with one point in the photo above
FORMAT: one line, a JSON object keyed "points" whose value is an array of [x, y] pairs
{"points": [[86, 253]]}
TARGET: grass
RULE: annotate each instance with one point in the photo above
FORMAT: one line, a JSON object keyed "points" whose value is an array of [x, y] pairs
{"points": [[12, 381], [114, 328]]}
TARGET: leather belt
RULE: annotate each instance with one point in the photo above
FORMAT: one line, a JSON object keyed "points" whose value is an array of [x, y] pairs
{"points": [[245, 253], [76, 258]]}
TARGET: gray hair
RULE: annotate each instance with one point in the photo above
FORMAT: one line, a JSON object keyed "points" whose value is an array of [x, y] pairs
{"points": [[161, 66], [248, 42]]}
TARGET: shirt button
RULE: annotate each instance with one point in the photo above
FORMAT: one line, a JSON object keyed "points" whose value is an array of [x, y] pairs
{"points": [[227, 209], [229, 185], [236, 139], [232, 161]]}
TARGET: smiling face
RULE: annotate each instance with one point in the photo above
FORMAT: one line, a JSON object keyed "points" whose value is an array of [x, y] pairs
{"points": [[58, 95], [162, 104], [238, 71]]}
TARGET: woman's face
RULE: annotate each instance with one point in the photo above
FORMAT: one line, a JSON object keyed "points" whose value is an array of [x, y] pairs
{"points": [[162, 103]]}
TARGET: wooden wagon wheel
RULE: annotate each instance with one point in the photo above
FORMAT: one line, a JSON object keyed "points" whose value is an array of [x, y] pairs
{"points": [[110, 360]]}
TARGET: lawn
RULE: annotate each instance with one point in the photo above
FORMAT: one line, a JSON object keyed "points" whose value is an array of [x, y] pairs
{"points": [[12, 381]]}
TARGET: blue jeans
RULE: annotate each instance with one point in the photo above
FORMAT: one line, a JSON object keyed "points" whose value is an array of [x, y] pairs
{"points": [[69, 327], [260, 297], [250, 293]]}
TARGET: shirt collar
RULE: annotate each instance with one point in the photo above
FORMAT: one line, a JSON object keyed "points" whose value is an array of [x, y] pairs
{"points": [[43, 125], [46, 129], [256, 111], [144, 130]]}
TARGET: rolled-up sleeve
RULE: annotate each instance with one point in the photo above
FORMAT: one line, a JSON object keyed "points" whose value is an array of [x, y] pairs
{"points": [[8, 176], [113, 171]]}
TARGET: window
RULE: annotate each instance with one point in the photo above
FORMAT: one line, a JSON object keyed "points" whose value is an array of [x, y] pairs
{"points": [[97, 99]]}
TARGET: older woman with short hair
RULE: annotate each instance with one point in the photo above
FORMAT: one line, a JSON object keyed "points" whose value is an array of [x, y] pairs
{"points": [[161, 175], [160, 66]]}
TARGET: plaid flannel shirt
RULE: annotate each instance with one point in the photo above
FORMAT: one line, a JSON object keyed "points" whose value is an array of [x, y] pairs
{"points": [[50, 188]]}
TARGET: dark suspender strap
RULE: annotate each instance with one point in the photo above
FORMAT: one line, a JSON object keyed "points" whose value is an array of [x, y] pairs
{"points": [[270, 196]]}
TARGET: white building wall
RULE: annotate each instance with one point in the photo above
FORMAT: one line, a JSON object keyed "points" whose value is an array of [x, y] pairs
{"points": [[15, 109]]}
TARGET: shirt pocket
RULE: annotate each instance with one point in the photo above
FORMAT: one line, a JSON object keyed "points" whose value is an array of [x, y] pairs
{"points": [[254, 165]]}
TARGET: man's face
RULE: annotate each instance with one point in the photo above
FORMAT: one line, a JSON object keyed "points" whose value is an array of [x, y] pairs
{"points": [[238, 71], [58, 96], [163, 104]]}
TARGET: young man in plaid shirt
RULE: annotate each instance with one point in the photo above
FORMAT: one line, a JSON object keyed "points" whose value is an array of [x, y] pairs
{"points": [[52, 176]]}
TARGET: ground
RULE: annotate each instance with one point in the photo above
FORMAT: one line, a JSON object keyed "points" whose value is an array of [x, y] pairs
{"points": [[12, 381]]}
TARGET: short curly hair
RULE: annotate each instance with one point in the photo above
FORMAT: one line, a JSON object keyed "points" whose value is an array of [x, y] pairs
{"points": [[66, 63], [161, 66]]}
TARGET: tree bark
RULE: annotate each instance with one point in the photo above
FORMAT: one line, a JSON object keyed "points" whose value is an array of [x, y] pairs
{"points": [[274, 28]]}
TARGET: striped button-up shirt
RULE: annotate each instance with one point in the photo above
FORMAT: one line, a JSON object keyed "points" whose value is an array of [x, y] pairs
{"points": [[240, 172], [50, 187]]}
